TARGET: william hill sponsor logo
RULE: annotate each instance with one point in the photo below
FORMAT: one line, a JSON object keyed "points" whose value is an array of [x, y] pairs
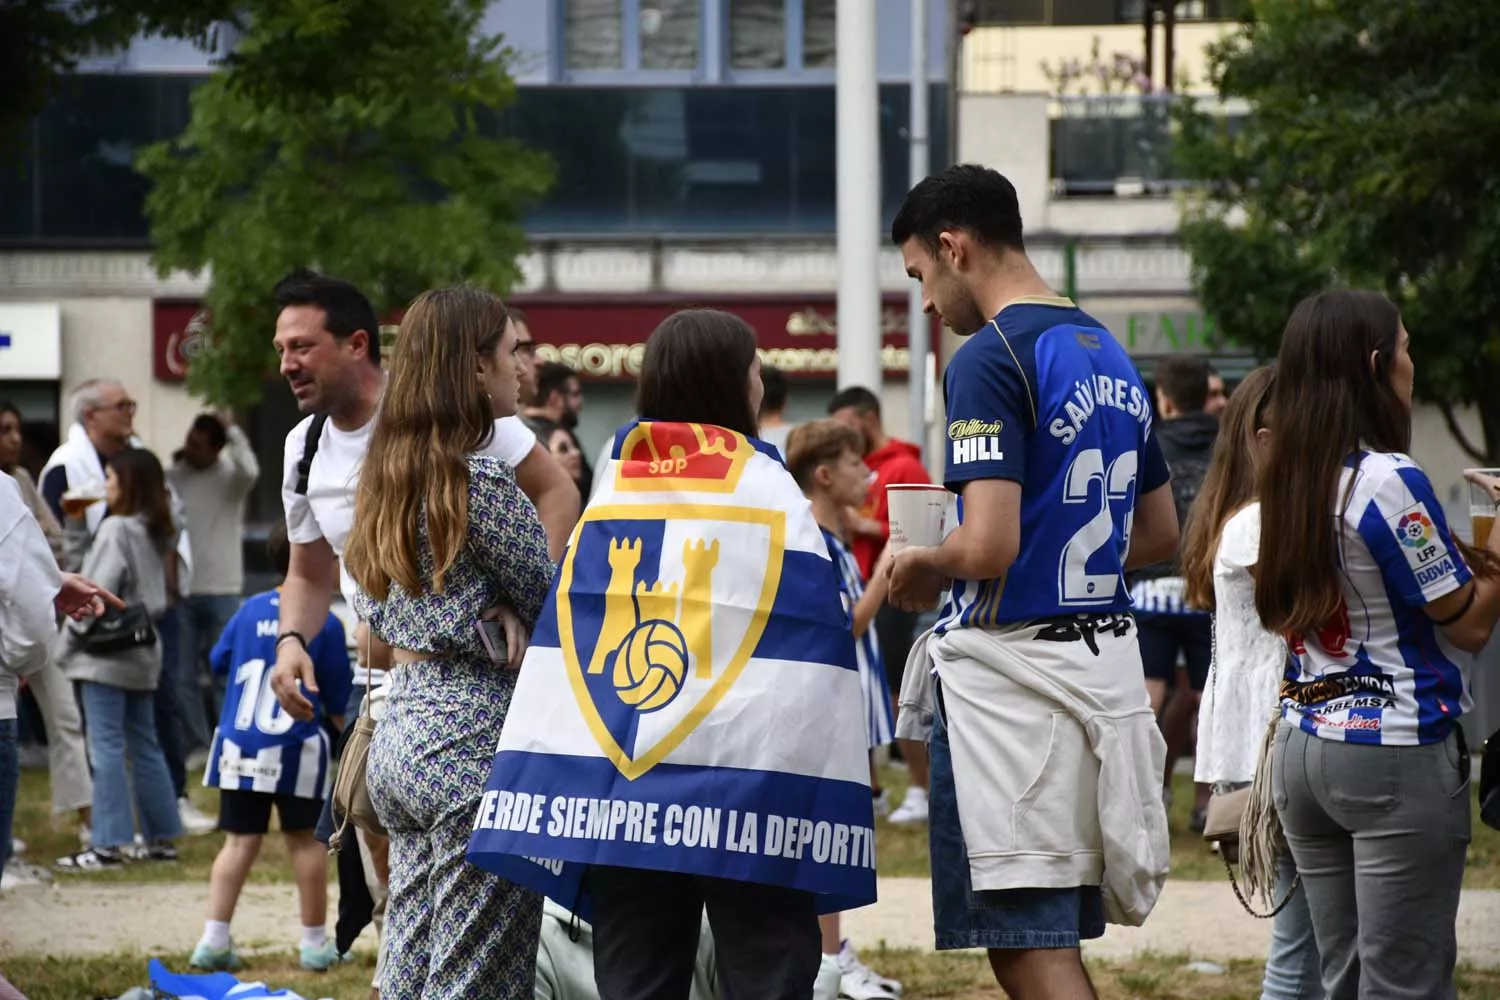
{"points": [[976, 440]]}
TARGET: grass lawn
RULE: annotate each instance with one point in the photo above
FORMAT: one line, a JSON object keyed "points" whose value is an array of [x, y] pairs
{"points": [[903, 850], [961, 975], [900, 850]]}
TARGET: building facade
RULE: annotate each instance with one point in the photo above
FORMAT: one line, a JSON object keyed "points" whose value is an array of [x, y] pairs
{"points": [[694, 141]]}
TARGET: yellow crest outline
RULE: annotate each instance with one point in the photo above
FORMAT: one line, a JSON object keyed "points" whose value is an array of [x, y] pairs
{"points": [[738, 458], [632, 768]]}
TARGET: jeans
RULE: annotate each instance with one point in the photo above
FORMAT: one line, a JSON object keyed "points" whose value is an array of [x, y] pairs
{"points": [[122, 723], [10, 784], [201, 618], [168, 703], [1292, 970], [1379, 834]]}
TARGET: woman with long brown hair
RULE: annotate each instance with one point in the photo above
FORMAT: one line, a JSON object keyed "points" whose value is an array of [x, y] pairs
{"points": [[1220, 547], [1380, 605], [118, 686], [441, 536]]}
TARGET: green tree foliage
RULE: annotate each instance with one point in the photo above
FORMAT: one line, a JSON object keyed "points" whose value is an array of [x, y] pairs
{"points": [[354, 136], [1368, 160]]}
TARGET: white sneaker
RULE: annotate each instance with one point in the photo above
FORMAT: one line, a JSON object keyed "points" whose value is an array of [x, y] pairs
{"points": [[194, 822], [913, 808], [17, 845], [18, 873], [857, 981], [882, 802]]}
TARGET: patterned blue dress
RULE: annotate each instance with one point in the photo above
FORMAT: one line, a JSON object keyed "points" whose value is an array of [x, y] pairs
{"points": [[453, 930]]}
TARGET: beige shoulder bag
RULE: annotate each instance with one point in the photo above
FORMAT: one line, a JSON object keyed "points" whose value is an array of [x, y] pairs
{"points": [[351, 791]]}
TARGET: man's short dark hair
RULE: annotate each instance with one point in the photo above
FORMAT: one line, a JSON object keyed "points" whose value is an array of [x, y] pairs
{"points": [[774, 383], [967, 197], [212, 428], [516, 313], [552, 376], [345, 307], [1183, 380], [857, 397]]}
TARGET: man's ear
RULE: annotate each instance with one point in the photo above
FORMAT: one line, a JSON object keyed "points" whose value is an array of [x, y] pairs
{"points": [[952, 248]]}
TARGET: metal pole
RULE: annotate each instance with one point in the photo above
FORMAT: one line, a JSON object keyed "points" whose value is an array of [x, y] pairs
{"points": [[858, 175], [918, 326]]}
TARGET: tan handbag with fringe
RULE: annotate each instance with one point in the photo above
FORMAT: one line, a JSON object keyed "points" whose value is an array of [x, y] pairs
{"points": [[1248, 830], [351, 790]]}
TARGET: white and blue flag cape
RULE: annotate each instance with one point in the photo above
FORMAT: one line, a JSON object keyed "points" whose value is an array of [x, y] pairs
{"points": [[690, 701]]}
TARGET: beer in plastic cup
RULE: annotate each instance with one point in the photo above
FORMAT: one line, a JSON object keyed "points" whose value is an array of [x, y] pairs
{"points": [[75, 502], [917, 511], [1482, 507]]}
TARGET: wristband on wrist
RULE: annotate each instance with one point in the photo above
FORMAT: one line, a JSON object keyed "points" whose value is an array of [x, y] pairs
{"points": [[292, 634]]}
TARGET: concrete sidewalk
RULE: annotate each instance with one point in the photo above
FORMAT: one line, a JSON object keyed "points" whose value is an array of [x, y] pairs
{"points": [[1201, 919]]}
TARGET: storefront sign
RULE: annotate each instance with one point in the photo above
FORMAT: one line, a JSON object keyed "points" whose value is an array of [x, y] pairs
{"points": [[178, 329], [605, 339], [30, 342]]}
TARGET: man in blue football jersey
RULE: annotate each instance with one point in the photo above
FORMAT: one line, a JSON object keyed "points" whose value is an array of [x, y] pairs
{"points": [[1045, 812], [263, 757]]}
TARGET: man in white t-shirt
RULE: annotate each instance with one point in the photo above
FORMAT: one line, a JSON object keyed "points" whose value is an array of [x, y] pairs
{"points": [[327, 336]]}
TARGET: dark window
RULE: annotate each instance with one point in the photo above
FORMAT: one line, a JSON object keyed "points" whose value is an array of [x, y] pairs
{"points": [[703, 159], [73, 177], [629, 160]]}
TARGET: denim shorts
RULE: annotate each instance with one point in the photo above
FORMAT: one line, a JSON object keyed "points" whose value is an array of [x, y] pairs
{"points": [[1004, 918]]}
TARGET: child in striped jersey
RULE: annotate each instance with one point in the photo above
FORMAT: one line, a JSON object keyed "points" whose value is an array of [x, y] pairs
{"points": [[824, 456], [262, 757]]}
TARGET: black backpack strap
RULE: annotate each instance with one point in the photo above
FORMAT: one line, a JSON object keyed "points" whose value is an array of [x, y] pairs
{"points": [[309, 451]]}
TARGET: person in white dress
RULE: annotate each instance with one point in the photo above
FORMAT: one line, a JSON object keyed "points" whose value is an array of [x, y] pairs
{"points": [[1220, 549]]}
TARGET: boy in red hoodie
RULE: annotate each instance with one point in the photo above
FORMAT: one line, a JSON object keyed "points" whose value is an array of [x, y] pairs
{"points": [[891, 461]]}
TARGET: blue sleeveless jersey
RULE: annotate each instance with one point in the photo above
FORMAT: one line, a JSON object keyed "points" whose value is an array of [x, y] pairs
{"points": [[1046, 397]]}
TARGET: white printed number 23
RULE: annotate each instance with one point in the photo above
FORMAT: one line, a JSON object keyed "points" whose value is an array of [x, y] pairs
{"points": [[258, 705], [1075, 584]]}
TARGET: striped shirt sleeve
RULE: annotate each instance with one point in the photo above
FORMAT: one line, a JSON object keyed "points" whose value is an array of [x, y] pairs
{"points": [[1406, 531]]}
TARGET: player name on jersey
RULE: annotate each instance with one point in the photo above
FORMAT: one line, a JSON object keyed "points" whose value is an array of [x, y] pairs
{"points": [[1100, 390]]}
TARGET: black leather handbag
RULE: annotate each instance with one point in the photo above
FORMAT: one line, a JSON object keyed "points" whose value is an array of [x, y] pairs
{"points": [[1489, 783], [117, 631]]}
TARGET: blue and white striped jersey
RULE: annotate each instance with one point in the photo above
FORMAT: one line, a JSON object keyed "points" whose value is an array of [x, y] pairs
{"points": [[880, 723], [1381, 672], [257, 747]]}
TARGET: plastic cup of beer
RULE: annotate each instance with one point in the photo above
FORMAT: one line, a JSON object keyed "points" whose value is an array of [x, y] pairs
{"points": [[917, 511], [1482, 505], [75, 502]]}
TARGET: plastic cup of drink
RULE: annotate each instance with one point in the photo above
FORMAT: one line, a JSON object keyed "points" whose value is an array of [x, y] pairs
{"points": [[917, 512], [1482, 506], [75, 502]]}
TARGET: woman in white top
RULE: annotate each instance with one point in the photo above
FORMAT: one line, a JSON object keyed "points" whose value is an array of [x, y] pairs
{"points": [[1220, 547], [1382, 608]]}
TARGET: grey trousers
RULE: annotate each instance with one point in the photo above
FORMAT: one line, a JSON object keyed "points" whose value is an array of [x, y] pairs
{"points": [[67, 758], [1379, 835]]}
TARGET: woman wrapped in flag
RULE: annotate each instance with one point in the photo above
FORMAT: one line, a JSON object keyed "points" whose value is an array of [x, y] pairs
{"points": [[687, 729]]}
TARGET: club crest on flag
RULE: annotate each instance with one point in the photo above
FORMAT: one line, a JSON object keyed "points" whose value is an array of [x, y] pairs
{"points": [[651, 635]]}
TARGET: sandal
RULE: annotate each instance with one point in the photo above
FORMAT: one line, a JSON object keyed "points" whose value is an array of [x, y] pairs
{"points": [[92, 860]]}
